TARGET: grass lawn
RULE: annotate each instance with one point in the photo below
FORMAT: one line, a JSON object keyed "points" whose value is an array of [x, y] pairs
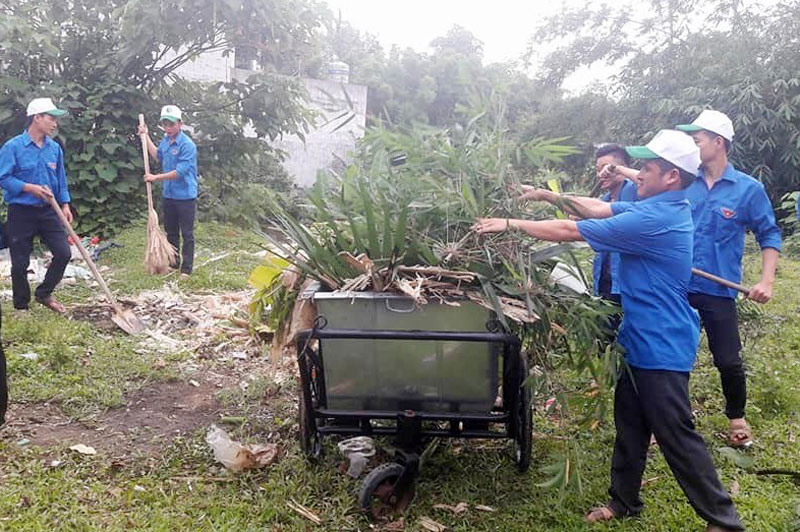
{"points": [[88, 374]]}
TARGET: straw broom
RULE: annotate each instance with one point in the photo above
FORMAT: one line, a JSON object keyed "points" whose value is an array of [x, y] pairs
{"points": [[158, 253]]}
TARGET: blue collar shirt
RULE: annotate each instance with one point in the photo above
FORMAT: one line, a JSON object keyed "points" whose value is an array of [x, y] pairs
{"points": [[626, 193], [23, 162], [179, 155], [722, 215], [654, 240]]}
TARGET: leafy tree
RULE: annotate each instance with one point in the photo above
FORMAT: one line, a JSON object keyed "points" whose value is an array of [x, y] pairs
{"points": [[108, 60], [685, 56]]}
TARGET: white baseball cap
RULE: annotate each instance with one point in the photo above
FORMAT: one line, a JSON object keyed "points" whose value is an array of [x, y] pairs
{"points": [[40, 106], [171, 113], [672, 146], [713, 121]]}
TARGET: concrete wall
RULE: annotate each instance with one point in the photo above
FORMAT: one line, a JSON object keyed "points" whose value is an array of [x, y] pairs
{"points": [[331, 141]]}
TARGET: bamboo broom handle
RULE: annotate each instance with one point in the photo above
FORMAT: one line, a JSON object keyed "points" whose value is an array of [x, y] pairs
{"points": [[720, 280], [85, 254], [146, 159]]}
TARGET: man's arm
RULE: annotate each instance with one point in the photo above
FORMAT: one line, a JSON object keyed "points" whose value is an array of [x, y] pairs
{"points": [[762, 222], [167, 176], [581, 206], [552, 230], [762, 291]]}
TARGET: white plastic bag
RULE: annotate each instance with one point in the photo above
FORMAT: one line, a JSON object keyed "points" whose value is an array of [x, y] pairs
{"points": [[357, 450], [237, 457]]}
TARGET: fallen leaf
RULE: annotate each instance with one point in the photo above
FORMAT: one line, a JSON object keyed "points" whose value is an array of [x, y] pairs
{"points": [[83, 449], [139, 488], [734, 489], [159, 363], [647, 481], [458, 509], [429, 524], [396, 526], [305, 512], [484, 508]]}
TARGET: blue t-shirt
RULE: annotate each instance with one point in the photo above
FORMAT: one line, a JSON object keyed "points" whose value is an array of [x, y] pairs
{"points": [[654, 240], [735, 203], [181, 156], [626, 193], [22, 161]]}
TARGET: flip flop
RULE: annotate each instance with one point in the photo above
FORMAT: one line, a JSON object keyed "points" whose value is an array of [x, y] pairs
{"points": [[52, 304], [740, 437], [599, 515]]}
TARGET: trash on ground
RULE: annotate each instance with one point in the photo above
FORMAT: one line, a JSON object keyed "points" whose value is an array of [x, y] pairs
{"points": [[305, 512], [237, 457], [83, 449], [23, 442], [484, 508], [429, 524], [458, 509], [357, 450], [30, 355]]}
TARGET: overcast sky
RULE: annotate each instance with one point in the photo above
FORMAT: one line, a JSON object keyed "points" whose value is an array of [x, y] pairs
{"points": [[504, 26]]}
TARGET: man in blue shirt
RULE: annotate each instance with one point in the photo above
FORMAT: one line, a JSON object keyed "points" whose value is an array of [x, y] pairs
{"points": [[659, 330], [725, 204], [31, 171], [178, 156], [617, 187]]}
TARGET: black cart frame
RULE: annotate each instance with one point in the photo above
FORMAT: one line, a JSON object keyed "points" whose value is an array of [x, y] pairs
{"points": [[389, 488]]}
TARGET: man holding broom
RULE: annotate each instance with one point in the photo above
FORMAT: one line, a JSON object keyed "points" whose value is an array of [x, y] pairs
{"points": [[659, 332], [32, 171], [177, 154]]}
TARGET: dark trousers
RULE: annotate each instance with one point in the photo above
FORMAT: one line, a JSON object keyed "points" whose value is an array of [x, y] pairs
{"points": [[24, 223], [657, 402], [179, 224], [3, 380], [721, 322]]}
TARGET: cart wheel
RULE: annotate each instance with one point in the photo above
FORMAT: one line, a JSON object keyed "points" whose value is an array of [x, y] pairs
{"points": [[310, 442], [523, 439], [378, 496]]}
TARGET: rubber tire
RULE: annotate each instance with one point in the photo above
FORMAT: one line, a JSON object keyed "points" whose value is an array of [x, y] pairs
{"points": [[523, 438], [310, 442], [389, 472]]}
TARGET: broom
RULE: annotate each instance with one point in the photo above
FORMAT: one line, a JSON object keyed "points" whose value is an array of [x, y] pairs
{"points": [[159, 253]]}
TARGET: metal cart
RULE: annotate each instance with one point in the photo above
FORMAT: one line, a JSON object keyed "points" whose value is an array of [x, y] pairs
{"points": [[377, 365]]}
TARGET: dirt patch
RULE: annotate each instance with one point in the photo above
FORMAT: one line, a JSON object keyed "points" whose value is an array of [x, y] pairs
{"points": [[152, 417]]}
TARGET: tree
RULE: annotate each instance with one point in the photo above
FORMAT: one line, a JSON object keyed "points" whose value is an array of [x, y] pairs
{"points": [[741, 58], [105, 61]]}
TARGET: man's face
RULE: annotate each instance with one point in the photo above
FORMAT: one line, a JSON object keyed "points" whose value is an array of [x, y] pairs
{"points": [[46, 124], [709, 144], [651, 180], [612, 180], [171, 128]]}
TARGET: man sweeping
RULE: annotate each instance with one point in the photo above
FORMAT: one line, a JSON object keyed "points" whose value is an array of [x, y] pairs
{"points": [[177, 154], [725, 204], [31, 171], [659, 332]]}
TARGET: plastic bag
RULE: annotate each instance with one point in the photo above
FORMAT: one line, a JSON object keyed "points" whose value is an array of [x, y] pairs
{"points": [[237, 457], [357, 450]]}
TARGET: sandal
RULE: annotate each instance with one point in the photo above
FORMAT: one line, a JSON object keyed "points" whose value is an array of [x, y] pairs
{"points": [[739, 437], [51, 303], [599, 514]]}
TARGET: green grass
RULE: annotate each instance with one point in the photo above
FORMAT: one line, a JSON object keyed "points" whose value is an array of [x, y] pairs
{"points": [[91, 493]]}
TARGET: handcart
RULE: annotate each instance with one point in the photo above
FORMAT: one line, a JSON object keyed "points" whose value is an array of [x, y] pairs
{"points": [[375, 364]]}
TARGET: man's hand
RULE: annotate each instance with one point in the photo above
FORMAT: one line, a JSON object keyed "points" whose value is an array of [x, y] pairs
{"points": [[527, 192], [491, 225], [150, 178], [41, 192], [67, 212], [761, 292], [142, 130]]}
